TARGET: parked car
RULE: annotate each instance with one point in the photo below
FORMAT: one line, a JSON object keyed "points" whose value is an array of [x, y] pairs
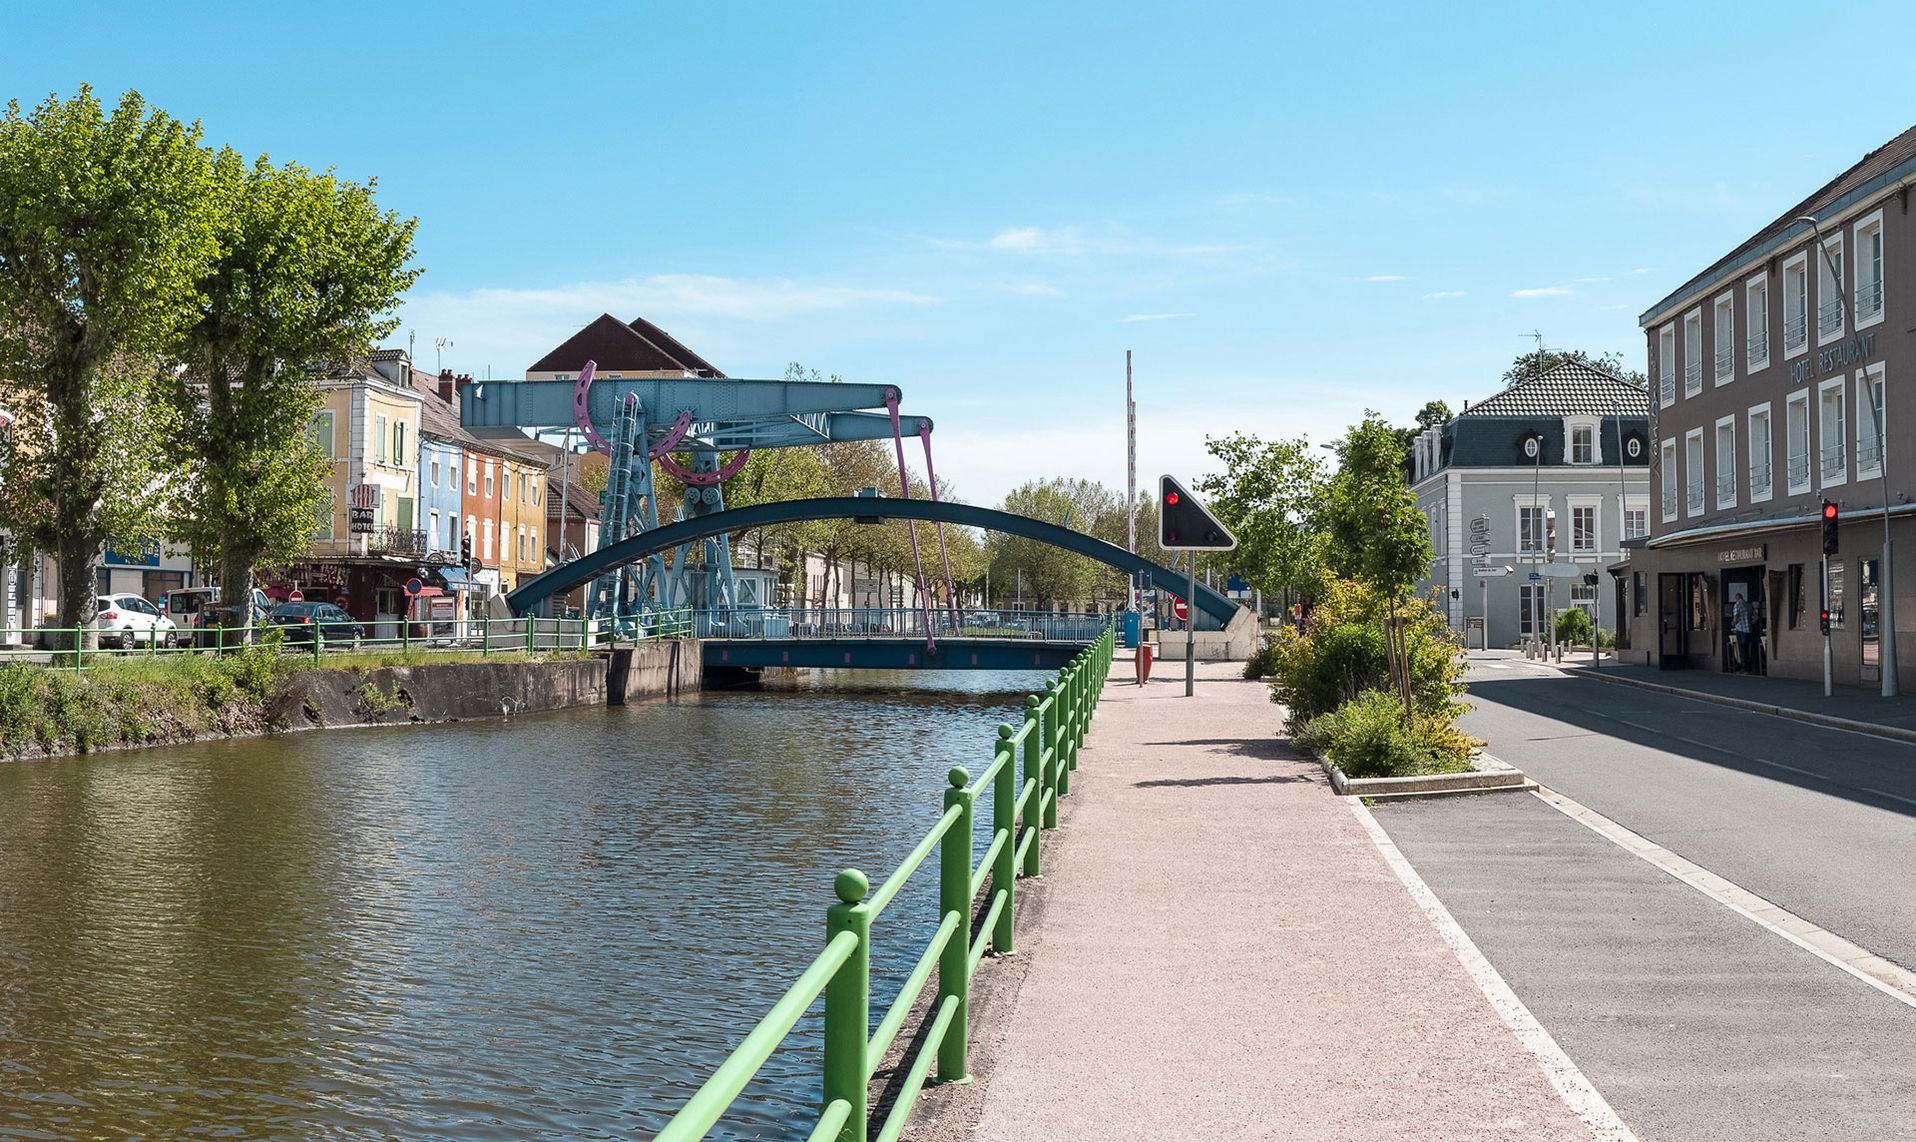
{"points": [[196, 612], [127, 621], [300, 620]]}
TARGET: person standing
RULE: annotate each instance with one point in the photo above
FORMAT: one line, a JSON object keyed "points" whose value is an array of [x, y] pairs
{"points": [[1740, 627]]}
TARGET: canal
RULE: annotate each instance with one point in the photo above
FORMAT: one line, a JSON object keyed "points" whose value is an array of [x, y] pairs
{"points": [[548, 928]]}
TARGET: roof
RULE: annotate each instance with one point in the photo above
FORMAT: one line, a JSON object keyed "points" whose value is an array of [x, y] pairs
{"points": [[618, 346], [388, 355], [584, 504], [1873, 172], [1570, 389]]}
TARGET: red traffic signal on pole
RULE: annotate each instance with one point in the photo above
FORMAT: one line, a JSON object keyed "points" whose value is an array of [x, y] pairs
{"points": [[1829, 527], [1184, 524]]}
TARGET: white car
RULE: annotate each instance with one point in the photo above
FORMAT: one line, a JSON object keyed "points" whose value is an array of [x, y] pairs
{"points": [[127, 621]]}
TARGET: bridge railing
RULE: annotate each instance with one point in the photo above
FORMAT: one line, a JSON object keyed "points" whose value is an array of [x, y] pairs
{"points": [[896, 623], [1024, 802]]}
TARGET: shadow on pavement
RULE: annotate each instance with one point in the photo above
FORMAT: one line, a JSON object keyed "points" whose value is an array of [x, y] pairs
{"points": [[1189, 782]]}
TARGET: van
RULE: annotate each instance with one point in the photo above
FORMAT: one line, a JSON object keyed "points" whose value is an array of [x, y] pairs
{"points": [[197, 610]]}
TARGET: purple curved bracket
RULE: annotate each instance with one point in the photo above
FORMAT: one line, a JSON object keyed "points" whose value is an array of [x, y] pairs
{"points": [[583, 418], [693, 479], [671, 439]]}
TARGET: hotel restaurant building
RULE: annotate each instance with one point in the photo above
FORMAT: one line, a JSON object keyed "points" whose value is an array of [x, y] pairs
{"points": [[1780, 377]]}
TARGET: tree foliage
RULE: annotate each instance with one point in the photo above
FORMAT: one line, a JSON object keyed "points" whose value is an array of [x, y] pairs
{"points": [[307, 270], [108, 224], [1377, 536], [1268, 496], [1432, 414], [1537, 362]]}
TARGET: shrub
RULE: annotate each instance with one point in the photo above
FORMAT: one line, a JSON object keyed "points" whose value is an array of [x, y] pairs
{"points": [[1341, 655], [1263, 660], [1367, 737], [1574, 626]]}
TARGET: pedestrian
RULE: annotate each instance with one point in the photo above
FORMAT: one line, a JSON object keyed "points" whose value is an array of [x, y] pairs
{"points": [[1740, 627]]}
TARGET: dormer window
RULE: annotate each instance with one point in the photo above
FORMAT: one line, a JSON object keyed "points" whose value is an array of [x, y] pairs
{"points": [[1581, 440]]}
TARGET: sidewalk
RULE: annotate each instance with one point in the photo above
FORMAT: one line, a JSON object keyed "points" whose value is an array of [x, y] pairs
{"points": [[1227, 955], [1850, 707]]}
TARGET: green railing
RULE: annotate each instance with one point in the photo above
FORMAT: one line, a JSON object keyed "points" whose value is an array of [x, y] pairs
{"points": [[66, 646], [1021, 808]]}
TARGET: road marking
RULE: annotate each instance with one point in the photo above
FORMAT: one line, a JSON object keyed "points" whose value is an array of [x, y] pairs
{"points": [[1893, 980], [1891, 796], [1578, 1094]]}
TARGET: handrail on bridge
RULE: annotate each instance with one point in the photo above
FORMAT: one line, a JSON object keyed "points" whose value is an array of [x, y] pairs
{"points": [[812, 623], [1053, 731]]}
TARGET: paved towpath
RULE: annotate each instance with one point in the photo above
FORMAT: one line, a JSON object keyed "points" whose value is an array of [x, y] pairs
{"points": [[1227, 954]]}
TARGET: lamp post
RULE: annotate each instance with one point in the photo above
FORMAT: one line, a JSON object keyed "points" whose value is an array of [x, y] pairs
{"points": [[1885, 593]]}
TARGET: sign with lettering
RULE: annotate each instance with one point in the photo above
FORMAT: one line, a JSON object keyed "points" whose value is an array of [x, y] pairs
{"points": [[1841, 355], [1756, 554], [360, 520]]}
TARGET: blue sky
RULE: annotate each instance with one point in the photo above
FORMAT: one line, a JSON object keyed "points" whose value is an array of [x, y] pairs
{"points": [[1289, 214]]}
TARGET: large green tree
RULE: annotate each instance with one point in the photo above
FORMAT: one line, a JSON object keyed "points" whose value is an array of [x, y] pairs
{"points": [[1049, 575], [1540, 361], [1268, 495], [108, 223], [309, 268]]}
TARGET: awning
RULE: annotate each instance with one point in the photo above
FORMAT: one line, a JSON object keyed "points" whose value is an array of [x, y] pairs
{"points": [[454, 578]]}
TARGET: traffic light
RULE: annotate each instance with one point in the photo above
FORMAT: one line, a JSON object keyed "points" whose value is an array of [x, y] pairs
{"points": [[465, 549], [1185, 525], [1829, 533], [1826, 620]]}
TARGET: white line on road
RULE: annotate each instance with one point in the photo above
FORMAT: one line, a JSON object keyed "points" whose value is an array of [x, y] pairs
{"points": [[1578, 1094], [1891, 979], [1890, 796]]}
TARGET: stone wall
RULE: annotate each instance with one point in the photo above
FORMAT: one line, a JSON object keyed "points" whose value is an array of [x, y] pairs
{"points": [[650, 669]]}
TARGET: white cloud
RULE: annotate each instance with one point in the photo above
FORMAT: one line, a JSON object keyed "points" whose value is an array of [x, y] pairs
{"points": [[1031, 289], [1386, 278], [1644, 270], [1155, 317], [1443, 293], [1072, 241], [1543, 291]]}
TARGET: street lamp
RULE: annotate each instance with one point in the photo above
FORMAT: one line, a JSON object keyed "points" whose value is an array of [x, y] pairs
{"points": [[1885, 595]]}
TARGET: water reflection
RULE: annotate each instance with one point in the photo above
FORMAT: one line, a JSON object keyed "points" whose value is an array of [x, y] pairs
{"points": [[552, 929]]}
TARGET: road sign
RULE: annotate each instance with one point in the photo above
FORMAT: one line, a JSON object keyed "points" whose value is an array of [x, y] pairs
{"points": [[1535, 577], [1184, 524], [414, 586], [295, 596], [1179, 609], [1490, 572]]}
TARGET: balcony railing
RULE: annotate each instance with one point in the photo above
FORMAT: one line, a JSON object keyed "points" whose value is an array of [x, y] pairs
{"points": [[1799, 467], [1796, 330], [1869, 454], [1829, 317], [1693, 378], [396, 541], [1758, 345], [1835, 461], [1759, 477], [1725, 363], [1869, 299], [1666, 390], [1696, 498], [1726, 489]]}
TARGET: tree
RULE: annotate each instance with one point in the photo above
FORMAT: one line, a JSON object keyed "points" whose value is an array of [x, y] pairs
{"points": [[1537, 362], [1046, 573], [1433, 414], [107, 227], [1268, 496], [307, 271]]}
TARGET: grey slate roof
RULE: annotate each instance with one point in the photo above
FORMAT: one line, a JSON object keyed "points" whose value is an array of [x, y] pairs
{"points": [[1570, 389]]}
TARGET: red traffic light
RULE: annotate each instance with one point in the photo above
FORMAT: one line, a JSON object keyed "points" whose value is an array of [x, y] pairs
{"points": [[1829, 510], [1170, 497]]}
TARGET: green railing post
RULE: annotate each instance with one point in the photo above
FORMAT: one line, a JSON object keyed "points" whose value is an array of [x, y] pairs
{"points": [[1004, 822], [954, 895], [485, 636], [532, 628], [405, 635], [79, 648], [1054, 743], [319, 639], [848, 1005], [1034, 771]]}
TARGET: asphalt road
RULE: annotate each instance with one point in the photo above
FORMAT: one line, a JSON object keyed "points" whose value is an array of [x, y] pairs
{"points": [[1695, 1022]]}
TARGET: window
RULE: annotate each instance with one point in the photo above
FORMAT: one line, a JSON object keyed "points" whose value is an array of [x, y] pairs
{"points": [[320, 428], [1832, 439], [1756, 318], [1726, 462], [1583, 529], [537, 555], [535, 491], [1796, 305], [488, 479], [1530, 610], [379, 438], [1530, 528], [1869, 423], [472, 530], [1666, 366], [324, 513], [1761, 486], [435, 471], [1829, 285], [1693, 472], [1869, 270], [1693, 353], [522, 545], [488, 545], [1636, 518], [472, 478], [1723, 338], [1796, 439], [1583, 441], [1667, 486], [432, 532], [400, 456]]}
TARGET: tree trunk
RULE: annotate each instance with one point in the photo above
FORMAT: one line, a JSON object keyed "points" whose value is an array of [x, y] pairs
{"points": [[76, 551], [236, 580]]}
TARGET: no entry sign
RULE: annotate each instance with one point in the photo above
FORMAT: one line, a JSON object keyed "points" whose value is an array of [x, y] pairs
{"points": [[1179, 608]]}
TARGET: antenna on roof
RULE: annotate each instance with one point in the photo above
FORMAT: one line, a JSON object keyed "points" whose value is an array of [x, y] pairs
{"points": [[1538, 335]]}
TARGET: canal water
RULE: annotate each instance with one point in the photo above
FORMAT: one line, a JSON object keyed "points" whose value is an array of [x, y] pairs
{"points": [[549, 928]]}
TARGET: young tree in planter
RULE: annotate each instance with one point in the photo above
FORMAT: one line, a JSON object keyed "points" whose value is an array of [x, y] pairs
{"points": [[308, 269], [1377, 535], [107, 224]]}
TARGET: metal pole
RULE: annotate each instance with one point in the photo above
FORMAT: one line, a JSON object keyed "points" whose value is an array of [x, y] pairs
{"points": [[1824, 610], [1484, 635], [1190, 627]]}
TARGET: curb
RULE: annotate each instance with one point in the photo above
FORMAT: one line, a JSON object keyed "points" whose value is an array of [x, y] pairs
{"points": [[1494, 776], [1869, 729]]}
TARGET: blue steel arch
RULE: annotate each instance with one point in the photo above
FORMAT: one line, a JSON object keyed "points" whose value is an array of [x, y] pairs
{"points": [[566, 576]]}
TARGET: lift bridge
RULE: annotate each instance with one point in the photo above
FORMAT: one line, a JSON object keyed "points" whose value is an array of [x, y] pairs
{"points": [[642, 568]]}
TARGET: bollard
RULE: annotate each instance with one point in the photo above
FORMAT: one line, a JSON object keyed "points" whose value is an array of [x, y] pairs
{"points": [[848, 1004], [1034, 771], [1004, 821], [954, 896]]}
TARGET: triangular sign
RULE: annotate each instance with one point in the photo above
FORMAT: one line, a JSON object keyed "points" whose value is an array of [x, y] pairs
{"points": [[1184, 524]]}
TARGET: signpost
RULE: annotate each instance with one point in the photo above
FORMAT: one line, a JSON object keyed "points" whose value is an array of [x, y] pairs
{"points": [[1184, 524], [1180, 608]]}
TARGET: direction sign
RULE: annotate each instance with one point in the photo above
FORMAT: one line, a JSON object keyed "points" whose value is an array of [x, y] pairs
{"points": [[1179, 609], [1534, 577], [1491, 572]]}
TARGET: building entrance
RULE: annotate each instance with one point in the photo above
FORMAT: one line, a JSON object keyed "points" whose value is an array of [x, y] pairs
{"points": [[1744, 622], [1673, 621]]}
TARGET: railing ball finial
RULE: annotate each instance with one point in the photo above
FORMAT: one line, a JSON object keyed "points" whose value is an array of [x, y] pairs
{"points": [[851, 886], [1005, 731], [958, 777], [1031, 701]]}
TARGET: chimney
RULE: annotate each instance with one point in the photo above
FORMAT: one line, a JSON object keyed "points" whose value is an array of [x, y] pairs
{"points": [[446, 385]]}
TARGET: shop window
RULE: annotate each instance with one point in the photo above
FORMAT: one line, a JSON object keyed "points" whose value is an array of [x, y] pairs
{"points": [[1639, 594]]}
